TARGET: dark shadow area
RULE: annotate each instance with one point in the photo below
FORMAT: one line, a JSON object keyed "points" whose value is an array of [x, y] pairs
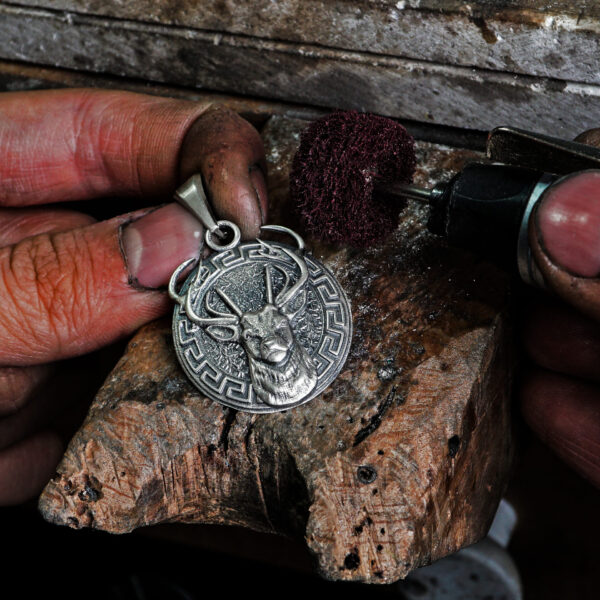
{"points": [[150, 564], [556, 543]]}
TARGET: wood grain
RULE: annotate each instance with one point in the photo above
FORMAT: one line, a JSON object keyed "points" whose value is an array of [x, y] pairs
{"points": [[401, 461], [549, 39], [559, 98]]}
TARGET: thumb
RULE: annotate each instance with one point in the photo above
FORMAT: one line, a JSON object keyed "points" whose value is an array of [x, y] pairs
{"points": [[565, 240], [67, 293]]}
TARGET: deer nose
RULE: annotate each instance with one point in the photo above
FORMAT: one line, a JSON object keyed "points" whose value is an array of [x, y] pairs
{"points": [[273, 349]]}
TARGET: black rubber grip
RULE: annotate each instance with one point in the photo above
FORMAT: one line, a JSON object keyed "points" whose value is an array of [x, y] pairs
{"points": [[481, 209]]}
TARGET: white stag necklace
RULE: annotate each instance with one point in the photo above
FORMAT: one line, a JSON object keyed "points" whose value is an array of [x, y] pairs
{"points": [[258, 326]]}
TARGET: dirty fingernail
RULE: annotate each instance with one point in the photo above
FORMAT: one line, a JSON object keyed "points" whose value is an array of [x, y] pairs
{"points": [[158, 242], [260, 187], [568, 224]]}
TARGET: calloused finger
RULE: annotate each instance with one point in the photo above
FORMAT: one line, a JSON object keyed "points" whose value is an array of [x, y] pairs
{"points": [[72, 144], [565, 413], [231, 157], [19, 384], [26, 466], [59, 145], [564, 235], [68, 293]]}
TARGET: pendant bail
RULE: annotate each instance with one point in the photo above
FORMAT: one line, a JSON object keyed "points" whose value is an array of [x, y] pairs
{"points": [[191, 195]]}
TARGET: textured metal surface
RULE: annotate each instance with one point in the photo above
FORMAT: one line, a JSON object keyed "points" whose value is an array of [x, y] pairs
{"points": [[254, 335]]}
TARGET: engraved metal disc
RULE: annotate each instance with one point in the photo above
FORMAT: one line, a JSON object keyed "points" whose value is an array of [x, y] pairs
{"points": [[261, 340]]}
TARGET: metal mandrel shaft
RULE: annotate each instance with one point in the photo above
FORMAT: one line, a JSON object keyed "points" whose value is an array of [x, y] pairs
{"points": [[405, 190]]}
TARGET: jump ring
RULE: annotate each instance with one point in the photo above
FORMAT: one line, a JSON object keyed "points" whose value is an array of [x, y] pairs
{"points": [[211, 243]]}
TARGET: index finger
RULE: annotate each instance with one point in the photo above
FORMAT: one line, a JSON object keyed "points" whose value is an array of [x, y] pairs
{"points": [[75, 144]]}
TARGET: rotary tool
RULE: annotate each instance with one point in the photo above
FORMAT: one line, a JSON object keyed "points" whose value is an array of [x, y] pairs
{"points": [[352, 171]]}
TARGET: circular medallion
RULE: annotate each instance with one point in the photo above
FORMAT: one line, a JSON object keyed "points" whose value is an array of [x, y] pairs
{"points": [[261, 327]]}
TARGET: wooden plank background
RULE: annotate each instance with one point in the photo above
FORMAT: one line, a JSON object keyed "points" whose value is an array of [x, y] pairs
{"points": [[476, 65], [548, 39]]}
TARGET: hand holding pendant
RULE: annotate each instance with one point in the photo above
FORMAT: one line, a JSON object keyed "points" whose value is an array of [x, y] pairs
{"points": [[71, 284]]}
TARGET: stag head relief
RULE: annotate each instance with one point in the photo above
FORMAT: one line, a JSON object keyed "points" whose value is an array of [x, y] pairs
{"points": [[281, 370]]}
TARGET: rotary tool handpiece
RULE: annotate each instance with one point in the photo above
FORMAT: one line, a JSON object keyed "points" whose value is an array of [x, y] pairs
{"points": [[485, 208]]}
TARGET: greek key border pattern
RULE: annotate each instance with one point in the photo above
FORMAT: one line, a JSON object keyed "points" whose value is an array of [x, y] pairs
{"points": [[329, 356]]}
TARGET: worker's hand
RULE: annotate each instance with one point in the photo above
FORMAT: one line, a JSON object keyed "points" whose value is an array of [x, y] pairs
{"points": [[561, 396], [70, 285]]}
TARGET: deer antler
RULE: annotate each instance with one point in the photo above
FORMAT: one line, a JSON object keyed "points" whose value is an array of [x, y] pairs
{"points": [[269, 285], [287, 295], [211, 310], [173, 281], [232, 305], [269, 279], [223, 320]]}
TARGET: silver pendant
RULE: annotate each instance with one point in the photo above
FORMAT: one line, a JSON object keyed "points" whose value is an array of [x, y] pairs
{"points": [[260, 326]]}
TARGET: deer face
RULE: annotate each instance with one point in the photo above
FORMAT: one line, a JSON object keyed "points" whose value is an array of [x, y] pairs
{"points": [[266, 335], [281, 370]]}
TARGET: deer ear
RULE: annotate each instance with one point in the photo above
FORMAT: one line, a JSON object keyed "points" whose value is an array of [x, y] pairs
{"points": [[294, 306], [224, 333]]}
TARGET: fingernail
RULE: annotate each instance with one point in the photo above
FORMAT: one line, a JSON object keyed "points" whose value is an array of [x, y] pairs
{"points": [[260, 188], [568, 224], [158, 242]]}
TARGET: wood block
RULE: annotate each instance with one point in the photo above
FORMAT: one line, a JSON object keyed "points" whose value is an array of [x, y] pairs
{"points": [[476, 65], [401, 461]]}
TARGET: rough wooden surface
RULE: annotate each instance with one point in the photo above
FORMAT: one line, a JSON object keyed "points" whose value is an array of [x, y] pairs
{"points": [[15, 76], [401, 461], [533, 37], [466, 65]]}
